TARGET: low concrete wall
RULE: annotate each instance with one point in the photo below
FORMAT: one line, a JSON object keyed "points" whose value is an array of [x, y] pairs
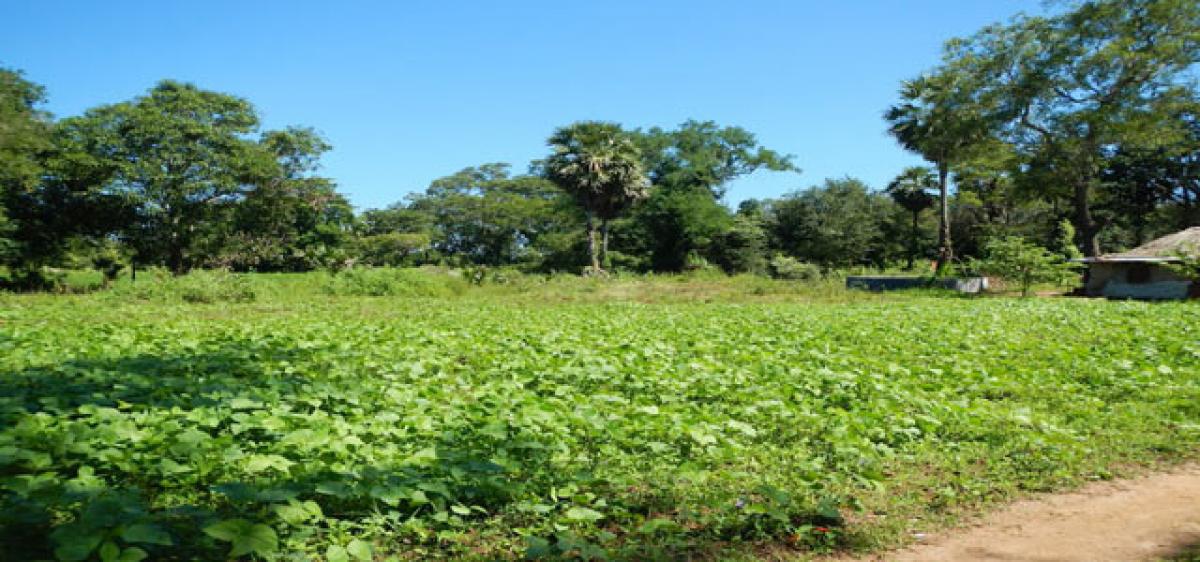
{"points": [[1162, 290], [970, 285]]}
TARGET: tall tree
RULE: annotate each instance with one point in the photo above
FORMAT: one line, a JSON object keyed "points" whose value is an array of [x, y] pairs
{"points": [[938, 121], [599, 165], [676, 223], [836, 224], [702, 154], [289, 219], [485, 215], [910, 190], [689, 168], [181, 154], [1070, 87], [24, 136]]}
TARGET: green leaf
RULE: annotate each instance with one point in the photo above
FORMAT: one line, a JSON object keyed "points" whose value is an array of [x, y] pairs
{"points": [[655, 525], [538, 548], [75, 546], [246, 537], [109, 552], [260, 463], [296, 513], [335, 553], [244, 404], [132, 554], [146, 533], [702, 437], [359, 549], [584, 514]]}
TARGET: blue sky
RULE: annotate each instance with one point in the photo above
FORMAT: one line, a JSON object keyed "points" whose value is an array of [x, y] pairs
{"points": [[411, 91]]}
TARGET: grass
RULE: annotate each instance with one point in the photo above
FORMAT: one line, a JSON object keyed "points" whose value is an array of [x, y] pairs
{"points": [[641, 418]]}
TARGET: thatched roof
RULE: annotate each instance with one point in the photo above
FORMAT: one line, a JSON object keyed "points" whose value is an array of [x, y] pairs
{"points": [[1167, 248]]}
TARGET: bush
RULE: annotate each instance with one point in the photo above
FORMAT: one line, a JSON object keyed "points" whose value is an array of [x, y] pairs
{"points": [[1013, 259], [487, 275], [199, 286], [786, 267], [388, 282], [31, 279]]}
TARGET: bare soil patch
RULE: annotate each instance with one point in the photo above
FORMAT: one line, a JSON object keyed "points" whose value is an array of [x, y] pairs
{"points": [[1148, 518]]}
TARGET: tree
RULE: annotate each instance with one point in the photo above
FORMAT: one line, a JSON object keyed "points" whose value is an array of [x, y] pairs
{"points": [[1068, 88], [486, 216], [601, 168], [835, 224], [938, 121], [180, 155], [396, 218], [1013, 259], [24, 136], [742, 247], [1153, 191], [689, 168], [910, 190], [289, 219], [675, 223], [702, 154]]}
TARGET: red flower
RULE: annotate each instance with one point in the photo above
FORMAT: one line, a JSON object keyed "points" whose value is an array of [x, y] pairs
{"points": [[821, 529]]}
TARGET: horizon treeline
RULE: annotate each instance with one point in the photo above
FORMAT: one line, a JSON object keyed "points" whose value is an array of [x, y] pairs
{"points": [[1081, 125]]}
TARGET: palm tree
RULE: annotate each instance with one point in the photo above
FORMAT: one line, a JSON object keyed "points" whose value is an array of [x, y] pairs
{"points": [[599, 165], [910, 190], [936, 120]]}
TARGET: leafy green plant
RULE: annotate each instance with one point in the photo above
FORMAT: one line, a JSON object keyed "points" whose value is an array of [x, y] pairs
{"points": [[389, 282], [490, 427], [1013, 259], [199, 286], [1188, 265], [244, 537], [787, 267]]}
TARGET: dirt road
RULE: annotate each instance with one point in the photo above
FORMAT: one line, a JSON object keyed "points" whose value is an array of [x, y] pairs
{"points": [[1146, 518]]}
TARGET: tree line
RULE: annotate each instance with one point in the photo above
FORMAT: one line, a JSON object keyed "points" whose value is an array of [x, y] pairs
{"points": [[1082, 124]]}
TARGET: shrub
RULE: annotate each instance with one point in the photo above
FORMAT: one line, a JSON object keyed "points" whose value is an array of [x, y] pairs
{"points": [[787, 267], [1013, 259], [388, 282], [198, 286], [31, 279], [487, 275]]}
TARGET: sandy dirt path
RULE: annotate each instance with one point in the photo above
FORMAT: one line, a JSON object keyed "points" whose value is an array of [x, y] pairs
{"points": [[1145, 518]]}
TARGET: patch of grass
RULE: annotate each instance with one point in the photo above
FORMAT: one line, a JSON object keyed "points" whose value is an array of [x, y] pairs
{"points": [[1191, 554], [547, 416], [390, 282], [196, 287]]}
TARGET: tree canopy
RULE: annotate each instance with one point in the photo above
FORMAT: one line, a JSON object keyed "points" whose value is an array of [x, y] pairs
{"points": [[1087, 115]]}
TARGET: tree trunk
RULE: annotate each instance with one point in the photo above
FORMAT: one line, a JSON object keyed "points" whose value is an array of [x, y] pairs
{"points": [[915, 241], [591, 236], [175, 259], [175, 242], [945, 246], [1187, 216], [1085, 224], [604, 243]]}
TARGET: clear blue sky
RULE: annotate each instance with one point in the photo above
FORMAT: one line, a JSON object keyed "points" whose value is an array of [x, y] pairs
{"points": [[411, 91]]}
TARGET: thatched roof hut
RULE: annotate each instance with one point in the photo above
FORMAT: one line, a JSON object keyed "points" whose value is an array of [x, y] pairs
{"points": [[1144, 272]]}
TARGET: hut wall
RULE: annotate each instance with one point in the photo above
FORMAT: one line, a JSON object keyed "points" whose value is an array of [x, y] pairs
{"points": [[1136, 281]]}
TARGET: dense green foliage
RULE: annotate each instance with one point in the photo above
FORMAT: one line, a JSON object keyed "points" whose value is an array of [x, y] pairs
{"points": [[1024, 264], [1067, 94], [433, 380], [498, 423], [1086, 114]]}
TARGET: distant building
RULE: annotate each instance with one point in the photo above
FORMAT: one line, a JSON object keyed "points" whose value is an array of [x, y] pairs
{"points": [[1144, 272]]}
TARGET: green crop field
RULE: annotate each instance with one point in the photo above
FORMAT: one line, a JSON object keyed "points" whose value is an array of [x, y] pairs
{"points": [[488, 425]]}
